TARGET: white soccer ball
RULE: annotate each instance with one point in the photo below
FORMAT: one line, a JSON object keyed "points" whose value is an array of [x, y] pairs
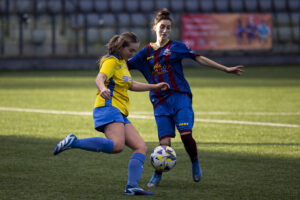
{"points": [[163, 158]]}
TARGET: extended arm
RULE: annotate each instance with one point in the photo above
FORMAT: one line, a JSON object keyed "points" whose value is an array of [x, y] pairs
{"points": [[210, 63], [139, 87]]}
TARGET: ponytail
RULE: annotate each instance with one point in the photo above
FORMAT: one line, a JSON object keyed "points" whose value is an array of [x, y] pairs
{"points": [[117, 42]]}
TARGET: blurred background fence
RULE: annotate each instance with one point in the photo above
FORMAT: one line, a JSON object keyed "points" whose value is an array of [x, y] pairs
{"points": [[72, 33]]}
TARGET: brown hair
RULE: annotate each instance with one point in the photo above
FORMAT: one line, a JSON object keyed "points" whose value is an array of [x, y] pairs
{"points": [[117, 42], [163, 14], [120, 41]]}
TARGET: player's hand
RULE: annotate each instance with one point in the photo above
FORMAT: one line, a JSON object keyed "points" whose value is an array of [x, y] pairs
{"points": [[163, 86], [105, 93], [235, 70]]}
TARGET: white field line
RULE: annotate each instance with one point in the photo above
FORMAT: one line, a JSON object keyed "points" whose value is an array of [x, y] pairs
{"points": [[58, 112], [137, 115], [232, 113], [247, 123]]}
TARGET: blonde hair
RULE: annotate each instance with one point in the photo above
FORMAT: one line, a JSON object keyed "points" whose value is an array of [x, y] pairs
{"points": [[163, 14]]}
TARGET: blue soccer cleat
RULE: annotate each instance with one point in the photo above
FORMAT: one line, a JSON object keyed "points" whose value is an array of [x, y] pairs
{"points": [[65, 144], [130, 190], [196, 170], [154, 181]]}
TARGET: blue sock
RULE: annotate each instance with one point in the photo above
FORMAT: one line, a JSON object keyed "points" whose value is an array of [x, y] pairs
{"points": [[196, 165], [97, 144], [135, 169]]}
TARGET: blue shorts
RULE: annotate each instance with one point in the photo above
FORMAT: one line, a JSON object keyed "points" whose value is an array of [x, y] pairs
{"points": [[175, 111], [106, 115]]}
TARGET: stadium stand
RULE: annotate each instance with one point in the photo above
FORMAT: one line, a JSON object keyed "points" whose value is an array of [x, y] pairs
{"points": [[132, 6], [251, 5], [294, 5], [191, 6], [116, 5], [222, 5], [86, 6], [265, 5], [41, 6], [207, 6], [280, 5], [161, 4], [70, 6], [236, 5], [57, 28], [101, 6], [54, 7], [93, 19], [147, 6], [177, 6], [24, 6], [138, 20], [123, 19]]}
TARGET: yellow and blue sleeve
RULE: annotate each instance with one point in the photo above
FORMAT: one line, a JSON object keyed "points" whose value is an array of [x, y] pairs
{"points": [[108, 67]]}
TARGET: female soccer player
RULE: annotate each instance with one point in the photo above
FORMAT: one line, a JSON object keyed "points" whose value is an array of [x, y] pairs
{"points": [[159, 62], [111, 111]]}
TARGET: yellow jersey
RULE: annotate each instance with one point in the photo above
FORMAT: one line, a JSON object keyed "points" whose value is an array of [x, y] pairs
{"points": [[118, 81]]}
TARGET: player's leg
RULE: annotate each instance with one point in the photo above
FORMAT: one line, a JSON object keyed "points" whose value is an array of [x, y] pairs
{"points": [[135, 166], [166, 131], [191, 148], [103, 119], [113, 143], [184, 120]]}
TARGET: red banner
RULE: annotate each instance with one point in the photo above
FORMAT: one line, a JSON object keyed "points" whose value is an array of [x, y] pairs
{"points": [[227, 31]]}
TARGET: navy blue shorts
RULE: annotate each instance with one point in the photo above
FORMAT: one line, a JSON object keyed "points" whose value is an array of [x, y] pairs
{"points": [[106, 115], [175, 111]]}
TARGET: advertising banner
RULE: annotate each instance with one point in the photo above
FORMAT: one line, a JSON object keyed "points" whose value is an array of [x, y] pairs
{"points": [[227, 31]]}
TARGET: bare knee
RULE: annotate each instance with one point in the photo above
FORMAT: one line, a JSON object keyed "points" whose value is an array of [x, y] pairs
{"points": [[118, 147], [165, 141], [141, 148]]}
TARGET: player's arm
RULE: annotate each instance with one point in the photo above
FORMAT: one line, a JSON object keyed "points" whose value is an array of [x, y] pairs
{"points": [[106, 72], [104, 91], [210, 63], [139, 87]]}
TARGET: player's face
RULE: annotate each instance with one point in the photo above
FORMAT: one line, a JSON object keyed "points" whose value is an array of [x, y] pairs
{"points": [[163, 29], [129, 51]]}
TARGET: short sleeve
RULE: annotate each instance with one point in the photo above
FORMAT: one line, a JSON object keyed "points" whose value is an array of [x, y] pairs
{"points": [[137, 61], [184, 51], [108, 66]]}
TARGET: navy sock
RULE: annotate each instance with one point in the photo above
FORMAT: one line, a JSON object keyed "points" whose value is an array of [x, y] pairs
{"points": [[190, 146], [135, 169], [97, 144]]}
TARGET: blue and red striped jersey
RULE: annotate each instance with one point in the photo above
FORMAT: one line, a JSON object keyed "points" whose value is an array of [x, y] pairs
{"points": [[163, 65]]}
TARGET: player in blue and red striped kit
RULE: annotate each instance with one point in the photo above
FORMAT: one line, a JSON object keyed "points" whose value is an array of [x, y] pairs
{"points": [[161, 62]]}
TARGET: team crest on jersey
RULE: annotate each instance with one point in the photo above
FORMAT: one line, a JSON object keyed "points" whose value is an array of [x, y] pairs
{"points": [[167, 52], [159, 69], [127, 78]]}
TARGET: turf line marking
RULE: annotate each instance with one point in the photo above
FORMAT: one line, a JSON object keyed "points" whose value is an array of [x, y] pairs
{"points": [[247, 123], [232, 113], [45, 111], [137, 116]]}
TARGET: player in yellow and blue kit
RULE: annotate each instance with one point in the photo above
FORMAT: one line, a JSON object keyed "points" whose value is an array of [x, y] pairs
{"points": [[161, 62], [111, 110]]}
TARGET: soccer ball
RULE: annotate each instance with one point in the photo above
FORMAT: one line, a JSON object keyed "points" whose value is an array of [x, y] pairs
{"points": [[163, 158]]}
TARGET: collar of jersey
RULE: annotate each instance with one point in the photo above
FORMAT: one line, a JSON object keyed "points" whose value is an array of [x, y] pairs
{"points": [[152, 45], [114, 55]]}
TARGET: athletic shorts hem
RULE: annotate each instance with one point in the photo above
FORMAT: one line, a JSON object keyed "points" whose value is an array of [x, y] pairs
{"points": [[170, 135], [184, 131], [106, 115]]}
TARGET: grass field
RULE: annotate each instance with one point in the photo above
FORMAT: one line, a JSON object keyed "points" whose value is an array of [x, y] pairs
{"points": [[247, 129]]}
